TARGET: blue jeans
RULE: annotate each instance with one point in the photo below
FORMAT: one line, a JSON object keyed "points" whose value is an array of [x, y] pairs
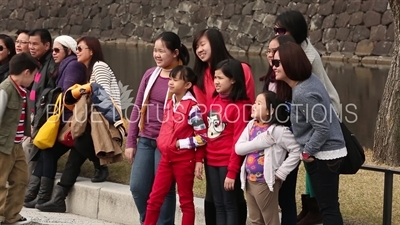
{"points": [[142, 178]]}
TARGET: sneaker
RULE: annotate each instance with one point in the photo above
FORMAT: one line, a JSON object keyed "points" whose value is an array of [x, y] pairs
{"points": [[22, 220]]}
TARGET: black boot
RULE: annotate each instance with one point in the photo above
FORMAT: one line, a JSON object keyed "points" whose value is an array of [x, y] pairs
{"points": [[314, 216], [32, 190], [101, 174], [304, 207], [57, 203], [46, 188]]}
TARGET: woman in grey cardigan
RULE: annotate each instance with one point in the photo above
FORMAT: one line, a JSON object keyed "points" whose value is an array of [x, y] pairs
{"points": [[292, 23], [315, 127]]}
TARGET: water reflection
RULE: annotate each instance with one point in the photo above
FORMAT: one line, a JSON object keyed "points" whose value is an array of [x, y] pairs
{"points": [[356, 85]]}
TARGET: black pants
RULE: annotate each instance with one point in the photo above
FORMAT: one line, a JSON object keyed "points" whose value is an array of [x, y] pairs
{"points": [[324, 175], [209, 207], [83, 150], [287, 199], [225, 201], [47, 163]]}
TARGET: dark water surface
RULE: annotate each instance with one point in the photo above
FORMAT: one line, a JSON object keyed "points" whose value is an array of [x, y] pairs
{"points": [[360, 86]]}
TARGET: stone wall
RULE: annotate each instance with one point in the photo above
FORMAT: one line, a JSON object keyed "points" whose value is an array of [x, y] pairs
{"points": [[360, 27]]}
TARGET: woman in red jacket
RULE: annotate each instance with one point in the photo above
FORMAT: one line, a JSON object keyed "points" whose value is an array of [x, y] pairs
{"points": [[227, 117], [209, 49], [181, 142]]}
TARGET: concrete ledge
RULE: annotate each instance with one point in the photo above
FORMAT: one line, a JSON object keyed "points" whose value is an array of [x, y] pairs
{"points": [[114, 203]]}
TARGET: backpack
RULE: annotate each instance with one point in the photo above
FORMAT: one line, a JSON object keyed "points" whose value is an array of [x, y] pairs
{"points": [[355, 153], [44, 107]]}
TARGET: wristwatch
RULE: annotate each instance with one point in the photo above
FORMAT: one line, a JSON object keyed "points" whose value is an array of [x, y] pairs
{"points": [[306, 155]]}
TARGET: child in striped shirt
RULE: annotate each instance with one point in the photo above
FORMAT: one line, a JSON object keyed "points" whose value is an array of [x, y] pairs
{"points": [[181, 143]]}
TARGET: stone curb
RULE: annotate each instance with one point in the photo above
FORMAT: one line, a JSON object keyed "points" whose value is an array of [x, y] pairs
{"points": [[113, 202]]}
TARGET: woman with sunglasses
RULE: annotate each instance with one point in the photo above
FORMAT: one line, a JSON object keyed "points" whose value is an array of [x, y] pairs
{"points": [[68, 73], [293, 23], [287, 192], [315, 127], [90, 54], [7, 51]]}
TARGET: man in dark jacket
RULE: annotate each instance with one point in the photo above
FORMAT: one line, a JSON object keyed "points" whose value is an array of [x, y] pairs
{"points": [[40, 47]]}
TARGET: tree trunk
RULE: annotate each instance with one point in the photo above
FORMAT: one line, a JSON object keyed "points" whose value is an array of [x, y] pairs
{"points": [[387, 132]]}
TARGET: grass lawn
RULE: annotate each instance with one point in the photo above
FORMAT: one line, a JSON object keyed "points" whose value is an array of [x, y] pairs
{"points": [[361, 195]]}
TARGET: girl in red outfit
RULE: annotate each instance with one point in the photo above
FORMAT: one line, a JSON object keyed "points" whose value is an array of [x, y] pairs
{"points": [[181, 142], [227, 117], [209, 49]]}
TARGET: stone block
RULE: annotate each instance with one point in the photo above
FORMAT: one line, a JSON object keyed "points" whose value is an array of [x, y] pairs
{"points": [[301, 7], [364, 48], [271, 8], [243, 41], [115, 200], [342, 20], [316, 22], [353, 6], [382, 48], [269, 20], [380, 6], [329, 21], [387, 17], [339, 6], [265, 34], [366, 5], [356, 18], [378, 33], [326, 9], [238, 9], [255, 49], [347, 46], [372, 18], [246, 23], [360, 33], [259, 5], [259, 16], [229, 11], [332, 46], [328, 35], [234, 23], [76, 30], [248, 8], [369, 60], [342, 34], [256, 27], [315, 36], [390, 32], [86, 200], [312, 9], [134, 8]]}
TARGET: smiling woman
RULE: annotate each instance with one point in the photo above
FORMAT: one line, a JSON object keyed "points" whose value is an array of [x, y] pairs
{"points": [[145, 123]]}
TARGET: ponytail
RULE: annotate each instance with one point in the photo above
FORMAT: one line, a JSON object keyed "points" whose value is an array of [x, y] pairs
{"points": [[184, 55]]}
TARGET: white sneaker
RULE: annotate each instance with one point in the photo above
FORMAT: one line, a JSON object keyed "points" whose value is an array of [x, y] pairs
{"points": [[22, 220]]}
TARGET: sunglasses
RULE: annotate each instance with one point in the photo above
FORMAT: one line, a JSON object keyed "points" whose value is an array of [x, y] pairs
{"points": [[79, 48], [57, 50], [280, 30], [2, 48], [276, 62]]}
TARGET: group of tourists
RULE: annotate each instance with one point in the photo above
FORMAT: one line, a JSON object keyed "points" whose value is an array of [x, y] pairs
{"points": [[248, 146]]}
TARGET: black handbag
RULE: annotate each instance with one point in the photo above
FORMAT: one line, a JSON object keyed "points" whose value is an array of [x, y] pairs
{"points": [[355, 153]]}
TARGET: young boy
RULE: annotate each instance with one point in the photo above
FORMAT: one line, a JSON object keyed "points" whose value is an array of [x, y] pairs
{"points": [[14, 125]]}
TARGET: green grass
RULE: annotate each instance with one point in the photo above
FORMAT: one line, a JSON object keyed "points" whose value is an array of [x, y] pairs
{"points": [[361, 195]]}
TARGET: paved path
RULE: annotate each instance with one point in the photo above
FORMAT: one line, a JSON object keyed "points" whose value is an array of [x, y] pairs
{"points": [[43, 218]]}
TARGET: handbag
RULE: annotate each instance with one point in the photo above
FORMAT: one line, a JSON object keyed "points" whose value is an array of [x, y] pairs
{"points": [[355, 153], [47, 134], [65, 134]]}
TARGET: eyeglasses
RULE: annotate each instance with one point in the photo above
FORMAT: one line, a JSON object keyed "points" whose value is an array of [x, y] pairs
{"points": [[280, 30], [1, 48], [276, 62], [79, 48], [21, 42]]}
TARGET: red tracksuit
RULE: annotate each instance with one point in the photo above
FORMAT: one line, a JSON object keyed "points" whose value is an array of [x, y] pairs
{"points": [[183, 123]]}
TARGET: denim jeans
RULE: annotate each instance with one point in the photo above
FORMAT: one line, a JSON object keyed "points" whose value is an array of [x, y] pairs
{"points": [[324, 175], [142, 178]]}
